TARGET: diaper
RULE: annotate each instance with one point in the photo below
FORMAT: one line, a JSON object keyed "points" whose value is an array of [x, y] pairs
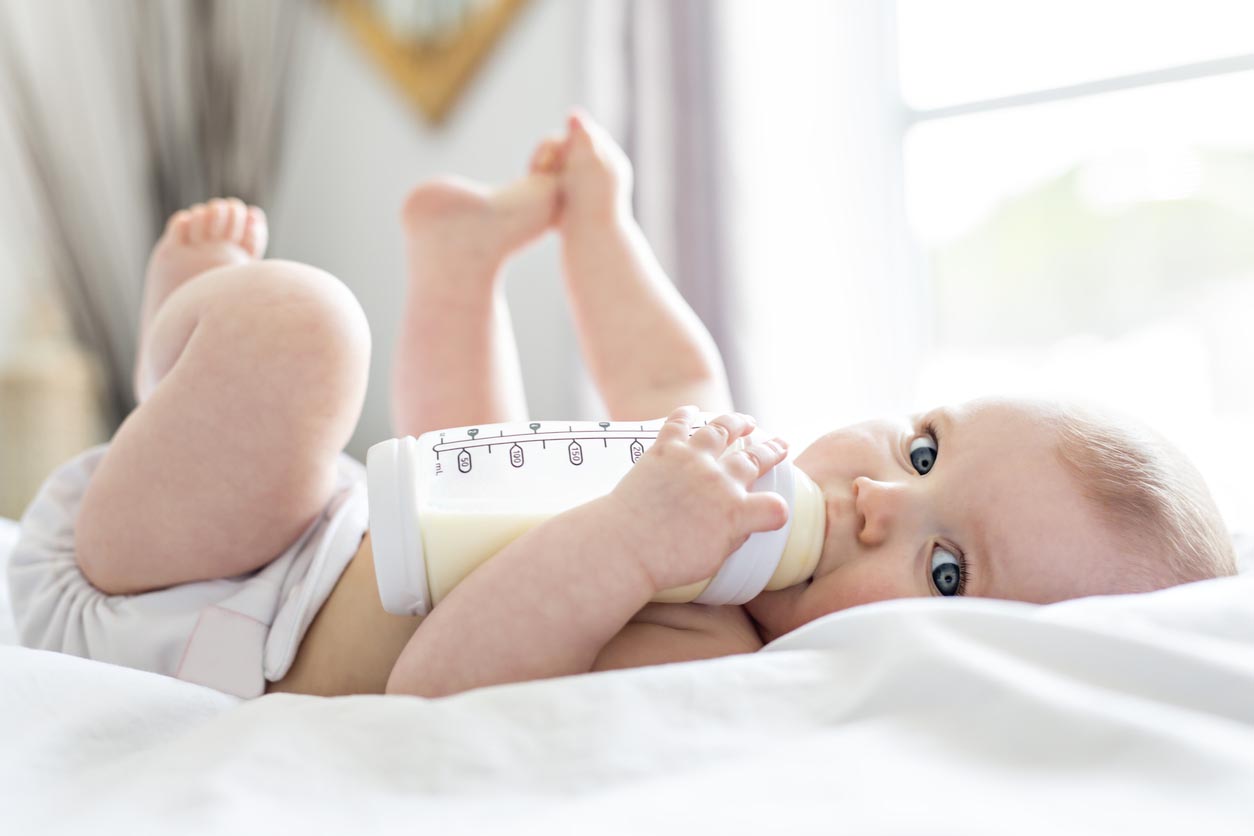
{"points": [[231, 634]]}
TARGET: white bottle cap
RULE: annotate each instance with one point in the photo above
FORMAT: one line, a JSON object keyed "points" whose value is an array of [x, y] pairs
{"points": [[399, 565], [747, 571]]}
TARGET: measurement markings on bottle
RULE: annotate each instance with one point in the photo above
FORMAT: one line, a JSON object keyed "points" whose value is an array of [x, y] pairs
{"points": [[517, 455], [524, 438]]}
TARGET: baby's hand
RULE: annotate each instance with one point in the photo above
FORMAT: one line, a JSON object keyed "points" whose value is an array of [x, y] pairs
{"points": [[688, 498]]}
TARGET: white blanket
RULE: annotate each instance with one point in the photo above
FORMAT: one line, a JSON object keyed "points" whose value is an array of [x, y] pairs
{"points": [[1106, 715], [1119, 714], [8, 536]]}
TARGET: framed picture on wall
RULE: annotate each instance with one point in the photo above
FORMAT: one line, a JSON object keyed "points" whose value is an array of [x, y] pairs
{"points": [[429, 48]]}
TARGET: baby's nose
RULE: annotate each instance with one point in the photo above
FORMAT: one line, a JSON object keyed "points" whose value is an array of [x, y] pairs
{"points": [[879, 506]]}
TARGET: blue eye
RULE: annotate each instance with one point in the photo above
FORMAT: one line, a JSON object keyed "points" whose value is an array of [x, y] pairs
{"points": [[923, 452], [947, 572]]}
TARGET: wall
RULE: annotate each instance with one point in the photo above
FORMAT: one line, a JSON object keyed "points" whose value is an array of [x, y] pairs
{"points": [[357, 147]]}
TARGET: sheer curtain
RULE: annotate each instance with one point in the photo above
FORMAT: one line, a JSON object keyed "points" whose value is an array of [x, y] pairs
{"points": [[767, 145], [122, 113]]}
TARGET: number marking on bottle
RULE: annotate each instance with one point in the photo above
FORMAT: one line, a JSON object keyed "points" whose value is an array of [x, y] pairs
{"points": [[463, 461], [516, 456], [575, 452]]}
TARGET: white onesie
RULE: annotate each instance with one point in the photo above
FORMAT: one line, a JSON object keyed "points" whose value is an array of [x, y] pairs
{"points": [[231, 634]]}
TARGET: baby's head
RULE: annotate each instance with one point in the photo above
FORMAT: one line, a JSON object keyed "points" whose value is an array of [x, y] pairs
{"points": [[1015, 499]]}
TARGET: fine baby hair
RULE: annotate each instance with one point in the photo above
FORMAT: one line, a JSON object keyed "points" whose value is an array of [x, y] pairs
{"points": [[1148, 492]]}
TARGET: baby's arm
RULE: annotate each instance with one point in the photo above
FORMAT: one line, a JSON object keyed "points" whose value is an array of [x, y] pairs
{"points": [[544, 606], [549, 602]]}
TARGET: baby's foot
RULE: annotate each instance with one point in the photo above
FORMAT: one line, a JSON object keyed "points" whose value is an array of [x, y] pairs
{"points": [[549, 156], [198, 239], [595, 175], [472, 228]]}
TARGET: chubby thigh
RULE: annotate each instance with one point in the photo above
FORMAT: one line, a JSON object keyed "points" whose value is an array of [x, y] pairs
{"points": [[352, 644], [262, 371]]}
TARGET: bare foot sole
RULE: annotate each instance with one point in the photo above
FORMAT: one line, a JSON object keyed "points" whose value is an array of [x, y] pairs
{"points": [[453, 218]]}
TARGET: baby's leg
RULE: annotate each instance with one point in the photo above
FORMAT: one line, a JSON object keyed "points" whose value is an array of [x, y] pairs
{"points": [[251, 377], [645, 348], [455, 361]]}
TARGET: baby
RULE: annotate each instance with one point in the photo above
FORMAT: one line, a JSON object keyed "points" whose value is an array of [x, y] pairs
{"points": [[221, 537]]}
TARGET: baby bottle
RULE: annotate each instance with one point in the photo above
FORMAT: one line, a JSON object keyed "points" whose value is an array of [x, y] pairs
{"points": [[445, 502]]}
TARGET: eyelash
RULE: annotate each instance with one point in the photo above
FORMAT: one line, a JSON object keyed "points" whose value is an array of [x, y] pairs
{"points": [[963, 568], [929, 428]]}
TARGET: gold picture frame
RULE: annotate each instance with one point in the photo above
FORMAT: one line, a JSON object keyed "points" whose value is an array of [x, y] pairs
{"points": [[431, 72]]}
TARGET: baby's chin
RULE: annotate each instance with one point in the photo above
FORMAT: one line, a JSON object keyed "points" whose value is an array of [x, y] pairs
{"points": [[778, 612]]}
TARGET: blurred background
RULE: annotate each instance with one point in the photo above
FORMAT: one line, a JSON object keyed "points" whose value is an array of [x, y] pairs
{"points": [[875, 206]]}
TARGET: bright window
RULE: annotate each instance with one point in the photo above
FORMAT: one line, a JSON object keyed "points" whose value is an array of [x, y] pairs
{"points": [[953, 51], [1096, 241]]}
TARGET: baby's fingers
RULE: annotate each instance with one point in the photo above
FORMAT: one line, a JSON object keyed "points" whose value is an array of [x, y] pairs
{"points": [[715, 436], [749, 464], [765, 511], [677, 425]]}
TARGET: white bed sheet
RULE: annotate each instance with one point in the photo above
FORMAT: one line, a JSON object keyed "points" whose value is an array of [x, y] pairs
{"points": [[8, 536], [1119, 714]]}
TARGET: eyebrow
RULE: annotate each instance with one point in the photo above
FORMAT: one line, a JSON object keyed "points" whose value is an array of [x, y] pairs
{"points": [[981, 554]]}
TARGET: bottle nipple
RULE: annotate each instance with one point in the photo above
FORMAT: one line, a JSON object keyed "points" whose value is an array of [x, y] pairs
{"points": [[808, 529]]}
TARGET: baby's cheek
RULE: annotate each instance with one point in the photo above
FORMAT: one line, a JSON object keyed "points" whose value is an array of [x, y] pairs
{"points": [[851, 586]]}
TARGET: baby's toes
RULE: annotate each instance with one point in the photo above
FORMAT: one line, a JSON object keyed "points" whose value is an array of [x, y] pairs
{"points": [[256, 233], [197, 221], [579, 137], [236, 219], [590, 143], [217, 225], [178, 227], [547, 158], [590, 136]]}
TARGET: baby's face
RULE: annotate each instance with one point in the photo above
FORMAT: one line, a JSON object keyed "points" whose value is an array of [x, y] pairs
{"points": [[982, 507]]}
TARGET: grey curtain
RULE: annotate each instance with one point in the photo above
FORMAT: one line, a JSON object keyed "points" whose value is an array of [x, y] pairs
{"points": [[166, 104]]}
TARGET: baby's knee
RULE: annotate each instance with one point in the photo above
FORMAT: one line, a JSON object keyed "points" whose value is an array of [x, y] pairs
{"points": [[298, 294], [294, 321], [301, 309]]}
